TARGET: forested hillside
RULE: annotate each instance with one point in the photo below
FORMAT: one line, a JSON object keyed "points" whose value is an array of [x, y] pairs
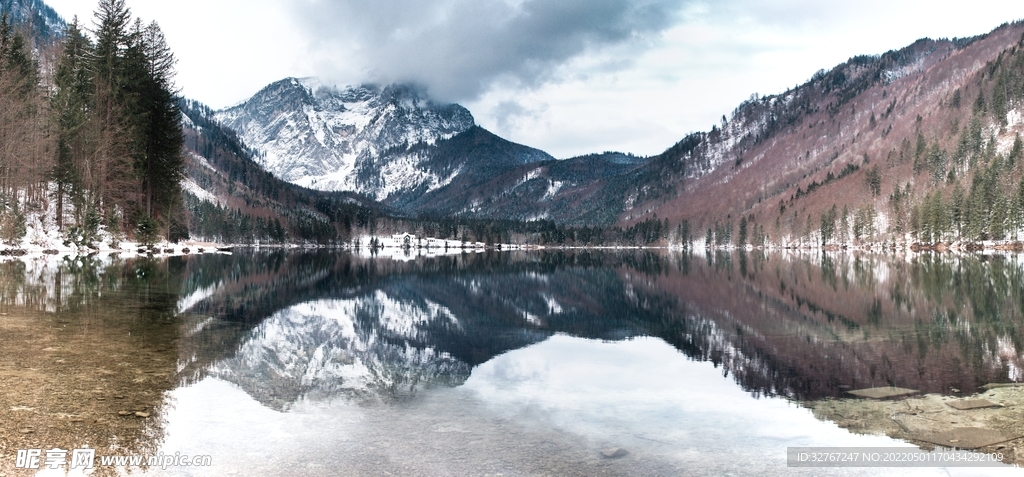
{"points": [[40, 22], [917, 147]]}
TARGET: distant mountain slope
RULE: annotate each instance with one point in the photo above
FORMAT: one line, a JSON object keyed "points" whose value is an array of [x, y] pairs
{"points": [[854, 153], [43, 22], [433, 178], [578, 191], [468, 162], [231, 198]]}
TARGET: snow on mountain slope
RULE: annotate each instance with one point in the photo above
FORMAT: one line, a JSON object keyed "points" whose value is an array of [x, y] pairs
{"points": [[329, 138]]}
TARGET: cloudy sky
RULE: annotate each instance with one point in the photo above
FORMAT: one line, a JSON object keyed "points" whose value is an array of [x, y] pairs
{"points": [[566, 76]]}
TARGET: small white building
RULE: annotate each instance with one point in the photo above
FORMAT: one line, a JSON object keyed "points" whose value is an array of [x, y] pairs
{"points": [[405, 240]]}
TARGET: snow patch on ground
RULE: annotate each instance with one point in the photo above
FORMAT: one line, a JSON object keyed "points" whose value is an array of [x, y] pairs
{"points": [[191, 187], [202, 161], [553, 188]]}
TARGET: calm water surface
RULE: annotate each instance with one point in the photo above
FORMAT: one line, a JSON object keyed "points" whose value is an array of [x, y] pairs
{"points": [[321, 363]]}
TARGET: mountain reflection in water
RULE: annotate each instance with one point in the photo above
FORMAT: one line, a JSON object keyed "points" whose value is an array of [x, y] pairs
{"points": [[800, 326]]}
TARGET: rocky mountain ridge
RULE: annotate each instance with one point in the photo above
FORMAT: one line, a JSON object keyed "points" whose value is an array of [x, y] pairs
{"points": [[327, 138]]}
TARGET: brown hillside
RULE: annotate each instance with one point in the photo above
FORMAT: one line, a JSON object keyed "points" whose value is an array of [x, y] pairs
{"points": [[780, 160]]}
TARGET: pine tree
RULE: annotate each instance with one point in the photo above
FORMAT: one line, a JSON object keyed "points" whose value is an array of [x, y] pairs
{"points": [[1017, 210], [18, 65], [1016, 151], [844, 225], [976, 212], [997, 223], [71, 105], [162, 165], [934, 218], [957, 209], [109, 180], [937, 162], [828, 225], [873, 179], [999, 99], [112, 19], [919, 152]]}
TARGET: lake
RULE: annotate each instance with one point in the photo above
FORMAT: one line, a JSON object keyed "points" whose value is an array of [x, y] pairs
{"points": [[283, 363]]}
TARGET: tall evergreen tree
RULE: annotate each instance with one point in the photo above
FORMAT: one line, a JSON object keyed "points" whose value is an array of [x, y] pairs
{"points": [[163, 165], [70, 104], [956, 211], [997, 222], [107, 182], [112, 19], [1017, 210]]}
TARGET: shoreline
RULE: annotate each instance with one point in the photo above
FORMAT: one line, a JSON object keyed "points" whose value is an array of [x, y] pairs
{"points": [[196, 247]]}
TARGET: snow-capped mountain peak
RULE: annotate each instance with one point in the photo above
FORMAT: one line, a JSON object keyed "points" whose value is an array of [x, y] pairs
{"points": [[341, 138]]}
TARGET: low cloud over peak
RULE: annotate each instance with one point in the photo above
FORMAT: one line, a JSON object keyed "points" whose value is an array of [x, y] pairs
{"points": [[458, 49]]}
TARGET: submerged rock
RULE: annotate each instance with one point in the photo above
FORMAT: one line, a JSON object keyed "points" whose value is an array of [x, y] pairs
{"points": [[614, 453], [966, 437], [883, 392], [968, 404]]}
